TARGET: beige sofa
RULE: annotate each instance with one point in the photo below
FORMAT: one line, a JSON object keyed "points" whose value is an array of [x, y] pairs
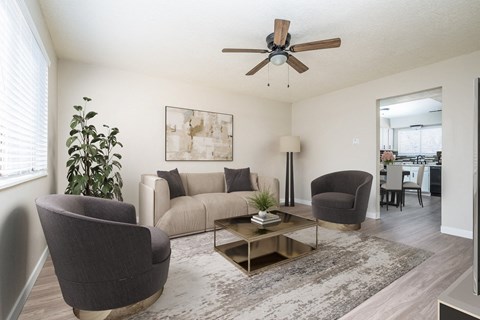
{"points": [[206, 200]]}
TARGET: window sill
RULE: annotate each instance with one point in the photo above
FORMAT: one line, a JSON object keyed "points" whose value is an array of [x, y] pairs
{"points": [[9, 182]]}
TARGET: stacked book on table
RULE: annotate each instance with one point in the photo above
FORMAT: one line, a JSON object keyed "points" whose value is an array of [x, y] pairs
{"points": [[269, 220]]}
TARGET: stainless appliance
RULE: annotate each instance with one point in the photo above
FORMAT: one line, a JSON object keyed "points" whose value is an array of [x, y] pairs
{"points": [[436, 181]]}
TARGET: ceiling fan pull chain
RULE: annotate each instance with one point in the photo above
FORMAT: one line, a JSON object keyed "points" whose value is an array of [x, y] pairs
{"points": [[288, 76], [268, 80]]}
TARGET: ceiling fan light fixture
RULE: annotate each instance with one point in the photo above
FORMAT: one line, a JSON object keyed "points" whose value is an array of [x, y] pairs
{"points": [[278, 57]]}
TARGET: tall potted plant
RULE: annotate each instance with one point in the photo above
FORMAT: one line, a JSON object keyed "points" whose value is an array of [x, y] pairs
{"points": [[93, 166]]}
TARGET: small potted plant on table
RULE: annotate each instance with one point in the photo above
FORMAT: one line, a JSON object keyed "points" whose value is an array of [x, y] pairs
{"points": [[262, 200]]}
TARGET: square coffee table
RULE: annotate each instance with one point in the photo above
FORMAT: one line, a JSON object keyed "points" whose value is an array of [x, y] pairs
{"points": [[263, 247]]}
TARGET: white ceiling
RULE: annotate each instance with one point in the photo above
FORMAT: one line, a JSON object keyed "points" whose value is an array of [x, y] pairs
{"points": [[411, 104], [183, 39], [411, 108]]}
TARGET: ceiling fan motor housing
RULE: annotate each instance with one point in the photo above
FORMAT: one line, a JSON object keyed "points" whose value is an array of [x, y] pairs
{"points": [[272, 46]]}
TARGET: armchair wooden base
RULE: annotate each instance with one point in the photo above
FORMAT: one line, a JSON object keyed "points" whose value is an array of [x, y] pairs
{"points": [[119, 313], [339, 226]]}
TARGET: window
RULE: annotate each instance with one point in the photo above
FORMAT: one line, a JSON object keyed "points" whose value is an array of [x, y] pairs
{"points": [[425, 141], [23, 98]]}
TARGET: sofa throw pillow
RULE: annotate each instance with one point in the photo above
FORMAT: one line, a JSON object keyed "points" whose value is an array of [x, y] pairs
{"points": [[238, 179], [174, 182]]}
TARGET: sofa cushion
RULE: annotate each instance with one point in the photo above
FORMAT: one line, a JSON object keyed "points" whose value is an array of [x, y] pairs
{"points": [[175, 183], [199, 183], [186, 215], [221, 205], [160, 245], [254, 180], [334, 200], [245, 195], [238, 179]]}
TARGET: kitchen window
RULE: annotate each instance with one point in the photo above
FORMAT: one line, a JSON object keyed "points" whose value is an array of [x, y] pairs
{"points": [[423, 141], [23, 97]]}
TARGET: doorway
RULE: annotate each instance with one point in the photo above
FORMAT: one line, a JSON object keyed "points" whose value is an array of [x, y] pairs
{"points": [[410, 127]]}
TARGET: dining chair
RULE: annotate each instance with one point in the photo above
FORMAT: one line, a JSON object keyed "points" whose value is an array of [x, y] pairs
{"points": [[382, 178], [408, 185], [394, 185]]}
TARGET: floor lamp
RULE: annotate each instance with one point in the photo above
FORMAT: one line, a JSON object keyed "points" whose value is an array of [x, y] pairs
{"points": [[289, 144]]}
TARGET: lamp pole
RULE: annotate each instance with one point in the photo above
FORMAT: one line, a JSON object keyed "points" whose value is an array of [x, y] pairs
{"points": [[289, 144], [289, 190]]}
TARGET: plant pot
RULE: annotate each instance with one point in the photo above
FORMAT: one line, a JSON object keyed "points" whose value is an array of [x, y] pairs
{"points": [[262, 214]]}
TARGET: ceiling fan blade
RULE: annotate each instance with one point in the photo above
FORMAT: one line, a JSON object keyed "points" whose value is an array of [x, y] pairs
{"points": [[234, 50], [315, 45], [296, 64], [280, 32], [259, 66]]}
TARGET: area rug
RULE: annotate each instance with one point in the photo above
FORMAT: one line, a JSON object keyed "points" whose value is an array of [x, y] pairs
{"points": [[347, 269]]}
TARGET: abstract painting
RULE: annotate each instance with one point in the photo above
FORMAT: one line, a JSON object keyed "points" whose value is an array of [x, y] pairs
{"points": [[198, 135]]}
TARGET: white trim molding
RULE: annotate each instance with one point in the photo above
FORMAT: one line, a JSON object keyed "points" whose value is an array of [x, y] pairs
{"points": [[306, 202], [301, 201], [22, 298], [457, 232], [373, 214]]}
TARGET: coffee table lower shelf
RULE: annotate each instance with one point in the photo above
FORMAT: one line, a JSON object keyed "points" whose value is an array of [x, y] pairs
{"points": [[253, 257]]}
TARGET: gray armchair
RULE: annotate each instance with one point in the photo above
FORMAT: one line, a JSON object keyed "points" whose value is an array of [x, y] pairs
{"points": [[102, 259], [342, 197]]}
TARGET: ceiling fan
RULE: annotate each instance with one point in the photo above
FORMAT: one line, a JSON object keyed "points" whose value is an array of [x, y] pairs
{"points": [[278, 44]]}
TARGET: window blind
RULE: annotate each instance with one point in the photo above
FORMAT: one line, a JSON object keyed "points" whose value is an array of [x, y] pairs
{"points": [[427, 140], [23, 97]]}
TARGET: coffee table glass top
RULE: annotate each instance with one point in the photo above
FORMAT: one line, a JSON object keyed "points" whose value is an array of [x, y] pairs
{"points": [[248, 231]]}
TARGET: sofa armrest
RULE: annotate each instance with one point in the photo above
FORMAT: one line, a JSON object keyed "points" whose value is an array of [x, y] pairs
{"points": [[270, 183], [154, 199]]}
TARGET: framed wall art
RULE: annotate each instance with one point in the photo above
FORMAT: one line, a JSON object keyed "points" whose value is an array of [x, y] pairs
{"points": [[196, 135]]}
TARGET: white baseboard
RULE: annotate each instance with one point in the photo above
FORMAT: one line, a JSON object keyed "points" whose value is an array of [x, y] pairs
{"points": [[373, 214], [306, 202], [457, 232], [22, 298], [301, 201]]}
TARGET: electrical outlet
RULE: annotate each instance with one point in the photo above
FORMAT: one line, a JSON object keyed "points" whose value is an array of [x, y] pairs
{"points": [[356, 141]]}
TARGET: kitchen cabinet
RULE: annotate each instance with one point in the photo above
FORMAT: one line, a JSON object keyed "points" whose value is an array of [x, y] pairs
{"points": [[386, 139]]}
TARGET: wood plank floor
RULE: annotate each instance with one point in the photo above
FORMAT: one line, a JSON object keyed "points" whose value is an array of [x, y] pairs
{"points": [[413, 296]]}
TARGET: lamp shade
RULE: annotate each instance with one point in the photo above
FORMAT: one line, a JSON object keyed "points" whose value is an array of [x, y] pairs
{"points": [[290, 144]]}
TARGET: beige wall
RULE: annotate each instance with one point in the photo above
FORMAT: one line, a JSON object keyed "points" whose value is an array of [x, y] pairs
{"points": [[328, 123], [135, 103], [21, 238]]}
